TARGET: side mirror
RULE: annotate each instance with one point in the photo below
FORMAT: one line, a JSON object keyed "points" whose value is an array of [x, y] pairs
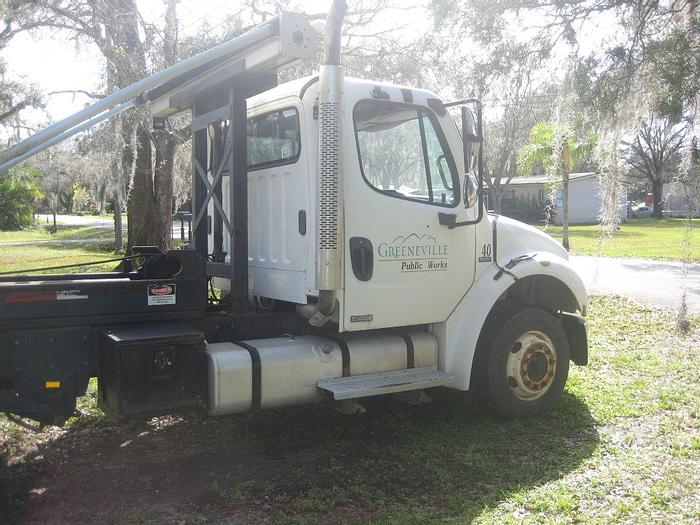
{"points": [[470, 138], [471, 191]]}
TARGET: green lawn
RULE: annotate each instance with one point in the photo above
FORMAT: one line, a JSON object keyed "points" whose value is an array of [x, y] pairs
{"points": [[646, 238], [69, 245], [93, 244], [622, 446], [13, 258], [44, 232]]}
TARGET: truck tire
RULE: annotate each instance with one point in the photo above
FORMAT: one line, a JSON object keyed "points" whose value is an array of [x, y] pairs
{"points": [[521, 363]]}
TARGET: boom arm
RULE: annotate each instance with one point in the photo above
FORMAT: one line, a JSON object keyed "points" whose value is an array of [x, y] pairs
{"points": [[273, 45]]}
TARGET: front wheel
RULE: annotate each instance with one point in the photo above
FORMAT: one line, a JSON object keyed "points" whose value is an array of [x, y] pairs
{"points": [[521, 364]]}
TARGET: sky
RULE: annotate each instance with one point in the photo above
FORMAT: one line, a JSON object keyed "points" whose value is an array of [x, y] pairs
{"points": [[56, 63]]}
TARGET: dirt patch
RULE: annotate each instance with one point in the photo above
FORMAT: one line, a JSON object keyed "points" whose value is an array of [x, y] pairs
{"points": [[305, 462], [622, 446]]}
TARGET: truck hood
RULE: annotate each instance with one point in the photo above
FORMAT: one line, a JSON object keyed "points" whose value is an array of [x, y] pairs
{"points": [[517, 238], [535, 252]]}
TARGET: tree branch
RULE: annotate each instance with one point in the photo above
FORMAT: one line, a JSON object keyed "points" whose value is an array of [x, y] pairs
{"points": [[76, 91]]}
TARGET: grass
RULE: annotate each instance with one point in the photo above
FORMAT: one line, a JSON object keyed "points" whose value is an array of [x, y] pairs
{"points": [[645, 238], [23, 258], [622, 446], [44, 232], [69, 245]]}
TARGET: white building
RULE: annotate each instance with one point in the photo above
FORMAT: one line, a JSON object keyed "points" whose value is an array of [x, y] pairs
{"points": [[585, 196], [678, 199]]}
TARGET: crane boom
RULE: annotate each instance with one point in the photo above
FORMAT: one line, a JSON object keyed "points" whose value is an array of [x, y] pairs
{"points": [[286, 39]]}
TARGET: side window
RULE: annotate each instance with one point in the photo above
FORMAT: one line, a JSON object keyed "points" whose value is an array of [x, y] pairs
{"points": [[402, 153], [273, 139]]}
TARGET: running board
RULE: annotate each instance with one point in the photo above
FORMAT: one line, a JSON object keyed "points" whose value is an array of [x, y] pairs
{"points": [[384, 383]]}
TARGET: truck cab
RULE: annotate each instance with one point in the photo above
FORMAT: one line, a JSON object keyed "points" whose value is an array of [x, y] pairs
{"points": [[420, 251], [402, 166]]}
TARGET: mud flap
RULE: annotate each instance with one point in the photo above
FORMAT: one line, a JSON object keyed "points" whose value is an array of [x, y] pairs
{"points": [[576, 330]]}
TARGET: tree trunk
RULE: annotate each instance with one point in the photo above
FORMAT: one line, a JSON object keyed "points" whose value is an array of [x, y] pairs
{"points": [[494, 198], [565, 209], [117, 176], [118, 226], [143, 223], [163, 185], [101, 197], [657, 191], [128, 158], [149, 202], [69, 202], [137, 155]]}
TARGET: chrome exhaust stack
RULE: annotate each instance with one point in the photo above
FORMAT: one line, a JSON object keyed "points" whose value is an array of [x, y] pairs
{"points": [[329, 228]]}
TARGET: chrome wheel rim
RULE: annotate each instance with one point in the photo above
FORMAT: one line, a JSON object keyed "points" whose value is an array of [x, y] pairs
{"points": [[531, 365]]}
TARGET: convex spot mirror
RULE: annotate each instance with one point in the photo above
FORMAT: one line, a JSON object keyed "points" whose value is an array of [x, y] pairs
{"points": [[470, 138]]}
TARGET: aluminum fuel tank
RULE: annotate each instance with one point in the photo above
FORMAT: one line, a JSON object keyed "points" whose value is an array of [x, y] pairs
{"points": [[285, 371]]}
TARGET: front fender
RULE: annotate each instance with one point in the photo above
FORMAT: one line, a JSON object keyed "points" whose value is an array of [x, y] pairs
{"points": [[459, 334]]}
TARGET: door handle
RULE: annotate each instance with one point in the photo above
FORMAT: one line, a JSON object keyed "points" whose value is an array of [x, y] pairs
{"points": [[362, 258], [450, 220]]}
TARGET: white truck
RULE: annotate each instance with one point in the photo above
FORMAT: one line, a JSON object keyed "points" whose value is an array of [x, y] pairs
{"points": [[343, 223]]}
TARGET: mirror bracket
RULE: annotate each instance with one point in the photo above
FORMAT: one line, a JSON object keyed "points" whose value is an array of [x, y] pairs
{"points": [[447, 219]]}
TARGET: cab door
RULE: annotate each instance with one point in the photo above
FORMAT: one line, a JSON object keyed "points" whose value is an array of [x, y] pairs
{"points": [[402, 267]]}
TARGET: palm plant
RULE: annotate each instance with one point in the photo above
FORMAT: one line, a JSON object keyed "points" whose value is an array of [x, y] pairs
{"points": [[557, 149]]}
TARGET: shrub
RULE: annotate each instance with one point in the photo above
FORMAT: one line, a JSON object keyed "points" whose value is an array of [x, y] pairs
{"points": [[523, 209], [19, 193], [82, 203]]}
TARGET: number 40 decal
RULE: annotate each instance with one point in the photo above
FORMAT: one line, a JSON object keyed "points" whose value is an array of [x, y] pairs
{"points": [[485, 253]]}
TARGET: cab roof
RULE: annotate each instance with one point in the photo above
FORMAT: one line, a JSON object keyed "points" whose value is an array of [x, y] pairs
{"points": [[374, 89]]}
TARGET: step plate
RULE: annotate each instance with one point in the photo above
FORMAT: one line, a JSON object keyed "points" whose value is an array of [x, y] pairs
{"points": [[384, 383]]}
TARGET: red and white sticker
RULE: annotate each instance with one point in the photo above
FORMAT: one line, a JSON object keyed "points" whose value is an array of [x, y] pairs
{"points": [[70, 295], [160, 294], [44, 296]]}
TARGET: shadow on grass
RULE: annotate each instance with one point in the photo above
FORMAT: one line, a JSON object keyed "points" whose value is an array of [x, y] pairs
{"points": [[80, 232], [96, 245], [396, 463], [85, 237]]}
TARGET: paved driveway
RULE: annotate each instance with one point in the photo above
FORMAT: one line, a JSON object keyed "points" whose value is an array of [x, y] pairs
{"points": [[106, 223], [80, 220], [649, 281]]}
